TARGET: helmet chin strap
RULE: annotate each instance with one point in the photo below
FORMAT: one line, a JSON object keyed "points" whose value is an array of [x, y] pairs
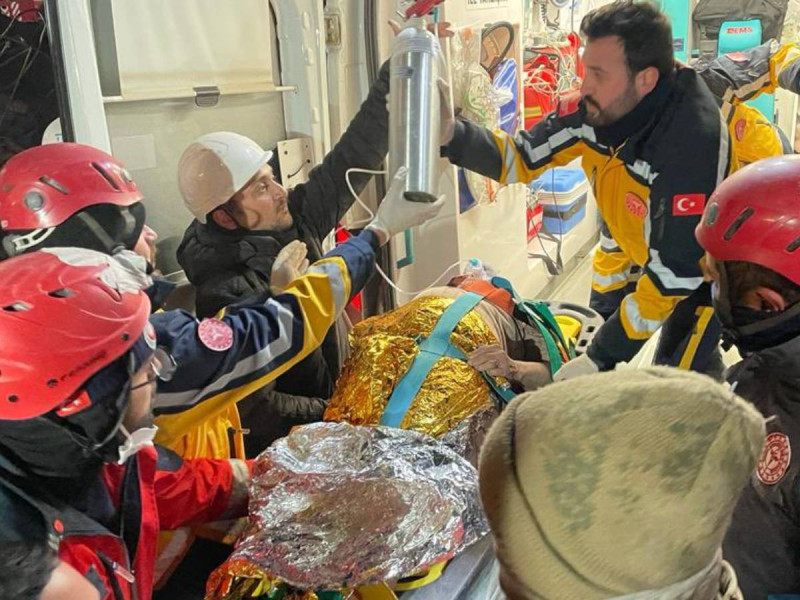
{"points": [[101, 234], [722, 303], [106, 448]]}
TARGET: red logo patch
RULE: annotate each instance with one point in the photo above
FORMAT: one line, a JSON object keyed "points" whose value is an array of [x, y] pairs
{"points": [[737, 56], [149, 335], [734, 30], [775, 459], [739, 129], [215, 334], [635, 205], [684, 205]]}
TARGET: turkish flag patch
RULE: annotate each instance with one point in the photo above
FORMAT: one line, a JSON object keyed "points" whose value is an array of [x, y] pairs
{"points": [[685, 205]]}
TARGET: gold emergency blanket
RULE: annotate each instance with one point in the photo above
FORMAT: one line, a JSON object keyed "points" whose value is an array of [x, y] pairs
{"points": [[382, 350]]}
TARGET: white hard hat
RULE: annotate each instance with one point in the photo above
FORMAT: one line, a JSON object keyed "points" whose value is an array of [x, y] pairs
{"points": [[216, 166]]}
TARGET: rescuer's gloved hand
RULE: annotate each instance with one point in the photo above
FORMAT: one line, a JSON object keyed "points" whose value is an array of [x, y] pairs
{"points": [[396, 214], [442, 29], [583, 365], [290, 264]]}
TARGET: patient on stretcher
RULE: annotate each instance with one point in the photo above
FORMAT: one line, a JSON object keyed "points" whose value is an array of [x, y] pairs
{"points": [[443, 365], [491, 347]]}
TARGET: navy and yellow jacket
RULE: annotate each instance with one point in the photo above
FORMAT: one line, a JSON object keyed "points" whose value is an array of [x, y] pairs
{"points": [[265, 337], [651, 173], [741, 76]]}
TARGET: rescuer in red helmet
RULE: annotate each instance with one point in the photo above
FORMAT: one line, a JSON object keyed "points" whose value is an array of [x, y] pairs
{"points": [[751, 234], [78, 468]]}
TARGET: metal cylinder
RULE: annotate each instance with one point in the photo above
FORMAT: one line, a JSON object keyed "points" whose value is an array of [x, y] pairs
{"points": [[414, 110]]}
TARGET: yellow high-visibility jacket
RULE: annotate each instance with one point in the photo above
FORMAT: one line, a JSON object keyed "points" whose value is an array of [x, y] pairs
{"points": [[651, 172], [222, 360]]}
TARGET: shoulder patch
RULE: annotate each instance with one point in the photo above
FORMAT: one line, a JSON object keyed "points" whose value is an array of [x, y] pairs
{"points": [[775, 459], [215, 334], [635, 205], [149, 335]]}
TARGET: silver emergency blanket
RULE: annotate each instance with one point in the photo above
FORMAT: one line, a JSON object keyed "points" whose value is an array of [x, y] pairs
{"points": [[466, 438], [335, 505]]}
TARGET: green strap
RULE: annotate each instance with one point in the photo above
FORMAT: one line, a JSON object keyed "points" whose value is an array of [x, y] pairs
{"points": [[538, 314]]}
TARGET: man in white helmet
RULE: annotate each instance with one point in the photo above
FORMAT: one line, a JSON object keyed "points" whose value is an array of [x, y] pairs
{"points": [[244, 216]]}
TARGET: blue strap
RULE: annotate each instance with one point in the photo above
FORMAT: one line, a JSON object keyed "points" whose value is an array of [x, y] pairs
{"points": [[431, 349]]}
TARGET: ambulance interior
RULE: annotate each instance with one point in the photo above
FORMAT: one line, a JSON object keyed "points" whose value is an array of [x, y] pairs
{"points": [[143, 79], [136, 85]]}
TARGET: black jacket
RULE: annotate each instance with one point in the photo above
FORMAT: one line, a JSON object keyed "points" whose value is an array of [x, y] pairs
{"points": [[763, 542], [229, 266]]}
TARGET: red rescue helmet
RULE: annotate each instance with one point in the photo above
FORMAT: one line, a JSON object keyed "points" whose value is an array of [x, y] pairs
{"points": [[754, 216], [43, 187], [65, 314]]}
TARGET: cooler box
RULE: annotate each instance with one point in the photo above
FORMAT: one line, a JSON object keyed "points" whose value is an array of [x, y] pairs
{"points": [[563, 193]]}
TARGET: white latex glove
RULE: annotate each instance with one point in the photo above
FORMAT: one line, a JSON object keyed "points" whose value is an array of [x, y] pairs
{"points": [[396, 214], [442, 29], [290, 264], [494, 361], [583, 365]]}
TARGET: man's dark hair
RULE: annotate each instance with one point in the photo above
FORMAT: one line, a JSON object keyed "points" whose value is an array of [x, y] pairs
{"points": [[25, 569], [745, 276], [645, 32]]}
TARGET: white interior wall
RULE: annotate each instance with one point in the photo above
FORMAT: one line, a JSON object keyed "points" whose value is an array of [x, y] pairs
{"points": [[150, 135], [348, 84], [495, 233]]}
